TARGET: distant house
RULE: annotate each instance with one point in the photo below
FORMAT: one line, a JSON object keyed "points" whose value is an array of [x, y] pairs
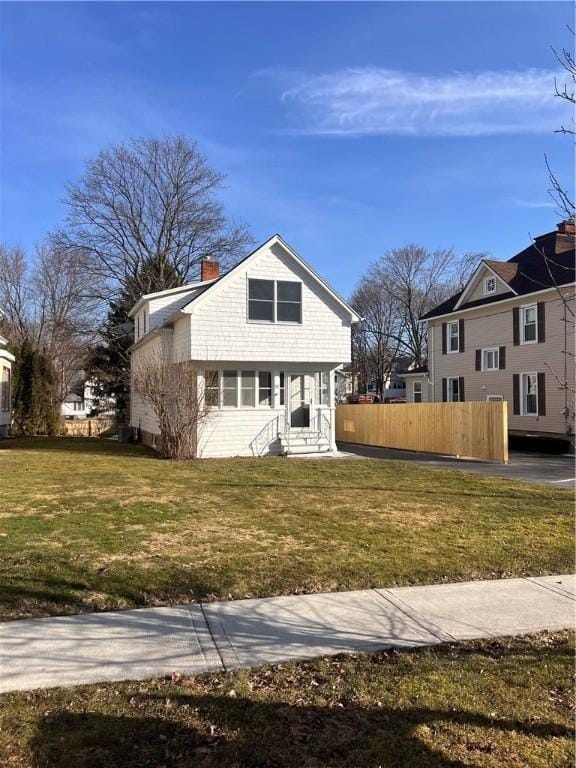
{"points": [[266, 338], [417, 385], [82, 400], [509, 335], [6, 360]]}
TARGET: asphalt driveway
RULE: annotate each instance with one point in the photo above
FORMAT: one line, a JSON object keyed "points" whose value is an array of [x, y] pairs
{"points": [[548, 469]]}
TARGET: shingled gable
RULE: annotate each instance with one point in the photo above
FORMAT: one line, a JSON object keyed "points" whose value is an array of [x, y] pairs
{"points": [[547, 263], [275, 239]]}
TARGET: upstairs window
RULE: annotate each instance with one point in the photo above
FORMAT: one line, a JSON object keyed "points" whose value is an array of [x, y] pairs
{"points": [[453, 337], [489, 285], [274, 301], [261, 300], [528, 322], [417, 391], [491, 359]]}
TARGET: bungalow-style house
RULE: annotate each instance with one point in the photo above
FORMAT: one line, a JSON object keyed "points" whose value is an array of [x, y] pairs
{"points": [[509, 335], [266, 339], [6, 360], [80, 399]]}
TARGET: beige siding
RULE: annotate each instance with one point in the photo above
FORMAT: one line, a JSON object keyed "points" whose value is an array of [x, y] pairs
{"points": [[491, 326], [421, 379]]}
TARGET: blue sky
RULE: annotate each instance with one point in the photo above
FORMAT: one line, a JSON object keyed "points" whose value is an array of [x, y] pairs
{"points": [[350, 128]]}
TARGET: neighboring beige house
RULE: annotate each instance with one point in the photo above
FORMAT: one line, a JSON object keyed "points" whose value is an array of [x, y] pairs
{"points": [[266, 338], [509, 335], [6, 360]]}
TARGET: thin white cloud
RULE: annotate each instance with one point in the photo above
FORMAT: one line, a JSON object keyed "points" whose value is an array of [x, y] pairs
{"points": [[372, 101], [533, 203]]}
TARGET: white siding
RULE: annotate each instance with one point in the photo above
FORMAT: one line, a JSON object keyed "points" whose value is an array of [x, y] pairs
{"points": [[220, 328]]}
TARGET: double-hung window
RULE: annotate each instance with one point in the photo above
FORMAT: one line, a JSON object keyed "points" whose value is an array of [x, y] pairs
{"points": [[529, 394], [490, 359], [453, 389], [528, 320], [417, 391], [274, 301], [453, 337], [211, 388], [264, 388]]}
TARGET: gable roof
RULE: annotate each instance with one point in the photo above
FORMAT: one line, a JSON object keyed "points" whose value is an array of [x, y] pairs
{"points": [[200, 285], [547, 263], [275, 239]]}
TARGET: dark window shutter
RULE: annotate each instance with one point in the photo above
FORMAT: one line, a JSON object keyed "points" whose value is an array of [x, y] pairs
{"points": [[541, 311], [444, 326], [461, 389], [516, 326], [502, 358], [516, 394], [444, 390], [460, 335], [541, 394], [478, 359]]}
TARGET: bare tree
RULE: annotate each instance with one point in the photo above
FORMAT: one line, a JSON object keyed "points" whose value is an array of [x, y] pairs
{"points": [[45, 304], [144, 215], [171, 391]]}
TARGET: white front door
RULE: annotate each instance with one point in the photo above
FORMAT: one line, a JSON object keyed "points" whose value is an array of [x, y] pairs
{"points": [[300, 400]]}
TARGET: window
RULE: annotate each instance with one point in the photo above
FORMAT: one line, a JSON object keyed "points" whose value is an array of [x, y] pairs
{"points": [[489, 285], [144, 321], [5, 389], [138, 327], [230, 389], [76, 406], [490, 359], [528, 321], [264, 388], [453, 390], [494, 398], [288, 302], [211, 388], [417, 391], [529, 384], [274, 301], [248, 388], [453, 337], [321, 382], [282, 389]]}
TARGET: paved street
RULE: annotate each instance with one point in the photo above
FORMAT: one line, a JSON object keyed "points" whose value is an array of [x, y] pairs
{"points": [[545, 468], [149, 642]]}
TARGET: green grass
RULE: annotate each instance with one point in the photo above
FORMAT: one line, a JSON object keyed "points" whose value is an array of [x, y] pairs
{"points": [[484, 704], [90, 525]]}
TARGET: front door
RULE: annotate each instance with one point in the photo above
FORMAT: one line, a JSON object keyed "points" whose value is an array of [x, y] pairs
{"points": [[300, 400]]}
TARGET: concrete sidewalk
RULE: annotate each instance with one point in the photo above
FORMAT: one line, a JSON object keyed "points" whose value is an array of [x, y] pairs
{"points": [[149, 642]]}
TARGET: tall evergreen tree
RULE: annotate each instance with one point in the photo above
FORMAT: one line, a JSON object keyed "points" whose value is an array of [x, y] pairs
{"points": [[34, 393]]}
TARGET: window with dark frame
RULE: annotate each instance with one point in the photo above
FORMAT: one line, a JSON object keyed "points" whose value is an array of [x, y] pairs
{"points": [[272, 301]]}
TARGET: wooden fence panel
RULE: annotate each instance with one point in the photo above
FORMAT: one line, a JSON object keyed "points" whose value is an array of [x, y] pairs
{"points": [[475, 429], [87, 427]]}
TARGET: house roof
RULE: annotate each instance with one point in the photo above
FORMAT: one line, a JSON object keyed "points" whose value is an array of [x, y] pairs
{"points": [[548, 262], [414, 371], [168, 292]]}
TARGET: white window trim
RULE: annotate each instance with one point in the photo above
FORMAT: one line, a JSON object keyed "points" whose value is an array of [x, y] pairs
{"points": [[523, 309], [494, 398], [488, 280], [414, 384], [448, 337], [496, 350], [448, 380], [523, 394], [275, 321], [270, 406]]}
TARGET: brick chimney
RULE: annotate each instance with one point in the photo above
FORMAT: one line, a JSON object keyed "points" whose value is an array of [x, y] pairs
{"points": [[209, 270], [567, 227]]}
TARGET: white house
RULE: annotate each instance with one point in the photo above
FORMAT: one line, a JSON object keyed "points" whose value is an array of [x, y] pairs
{"points": [[6, 360], [266, 340]]}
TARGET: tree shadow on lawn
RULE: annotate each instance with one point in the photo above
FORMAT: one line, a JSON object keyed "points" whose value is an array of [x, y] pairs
{"points": [[254, 734], [91, 445]]}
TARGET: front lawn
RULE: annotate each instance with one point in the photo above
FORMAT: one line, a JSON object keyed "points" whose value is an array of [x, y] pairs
{"points": [[88, 524], [482, 704]]}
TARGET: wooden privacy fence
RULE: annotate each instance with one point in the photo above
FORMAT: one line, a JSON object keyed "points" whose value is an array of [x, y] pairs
{"points": [[475, 429], [87, 427]]}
